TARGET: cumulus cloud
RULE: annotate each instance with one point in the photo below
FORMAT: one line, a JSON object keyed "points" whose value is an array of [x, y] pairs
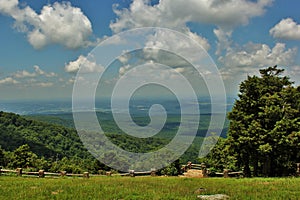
{"points": [[123, 69], [37, 77], [224, 41], [7, 6], [88, 65], [60, 23], [150, 70], [37, 71], [171, 40], [176, 13], [142, 14], [8, 81], [44, 84], [124, 58], [24, 74], [286, 29], [168, 48], [201, 40], [251, 57]]}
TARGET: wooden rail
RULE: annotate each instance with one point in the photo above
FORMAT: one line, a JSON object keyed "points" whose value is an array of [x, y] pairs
{"points": [[42, 173], [226, 173]]}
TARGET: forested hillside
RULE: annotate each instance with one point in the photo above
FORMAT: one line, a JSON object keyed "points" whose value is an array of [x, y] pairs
{"points": [[44, 139], [33, 144]]}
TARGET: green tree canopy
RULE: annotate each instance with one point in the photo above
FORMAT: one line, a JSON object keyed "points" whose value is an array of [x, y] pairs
{"points": [[264, 131], [23, 157]]}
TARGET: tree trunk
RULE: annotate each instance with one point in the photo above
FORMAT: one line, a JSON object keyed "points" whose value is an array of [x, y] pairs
{"points": [[267, 167], [255, 170], [246, 170]]}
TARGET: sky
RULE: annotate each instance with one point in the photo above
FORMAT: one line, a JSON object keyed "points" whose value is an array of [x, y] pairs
{"points": [[44, 43]]}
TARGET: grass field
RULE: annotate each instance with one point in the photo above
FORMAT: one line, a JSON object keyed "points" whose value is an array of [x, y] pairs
{"points": [[146, 188]]}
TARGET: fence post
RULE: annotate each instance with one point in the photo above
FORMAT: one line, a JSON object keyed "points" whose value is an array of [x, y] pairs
{"points": [[189, 165], [226, 173], [153, 172], [204, 170], [86, 175], [41, 173], [131, 173], [63, 173], [108, 173], [19, 171]]}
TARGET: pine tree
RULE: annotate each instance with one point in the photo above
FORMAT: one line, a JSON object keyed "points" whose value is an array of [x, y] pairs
{"points": [[264, 129]]}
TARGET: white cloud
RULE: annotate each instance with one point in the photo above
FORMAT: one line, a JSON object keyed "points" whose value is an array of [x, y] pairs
{"points": [[224, 41], [36, 78], [59, 23], [114, 40], [286, 29], [7, 6], [174, 43], [71, 81], [124, 58], [37, 72], [150, 70], [201, 40], [123, 69], [176, 13], [168, 48], [24, 74], [179, 69], [294, 73], [295, 70], [141, 14], [8, 80], [254, 56], [44, 84], [87, 64]]}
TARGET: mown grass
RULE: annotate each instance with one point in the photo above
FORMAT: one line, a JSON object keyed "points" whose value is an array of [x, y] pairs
{"points": [[146, 188]]}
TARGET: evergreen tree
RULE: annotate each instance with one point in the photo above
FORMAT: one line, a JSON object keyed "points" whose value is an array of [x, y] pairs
{"points": [[264, 130]]}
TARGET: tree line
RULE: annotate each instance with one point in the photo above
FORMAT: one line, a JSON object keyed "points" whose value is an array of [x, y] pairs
{"points": [[34, 145]]}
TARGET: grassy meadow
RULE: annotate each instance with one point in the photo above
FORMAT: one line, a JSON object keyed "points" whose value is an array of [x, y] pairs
{"points": [[147, 188]]}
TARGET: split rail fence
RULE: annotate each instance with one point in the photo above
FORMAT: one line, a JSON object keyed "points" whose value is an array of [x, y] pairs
{"points": [[206, 173], [42, 173]]}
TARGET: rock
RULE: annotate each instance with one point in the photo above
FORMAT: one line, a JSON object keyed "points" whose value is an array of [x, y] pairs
{"points": [[213, 197], [200, 190]]}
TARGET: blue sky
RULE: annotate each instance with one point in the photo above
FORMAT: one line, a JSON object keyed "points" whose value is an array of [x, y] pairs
{"points": [[43, 42]]}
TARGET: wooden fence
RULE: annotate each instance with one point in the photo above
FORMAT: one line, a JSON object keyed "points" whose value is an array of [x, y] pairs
{"points": [[42, 173], [226, 173], [206, 173]]}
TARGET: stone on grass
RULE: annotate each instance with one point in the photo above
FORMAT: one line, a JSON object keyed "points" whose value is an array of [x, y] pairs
{"points": [[213, 197], [200, 190]]}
